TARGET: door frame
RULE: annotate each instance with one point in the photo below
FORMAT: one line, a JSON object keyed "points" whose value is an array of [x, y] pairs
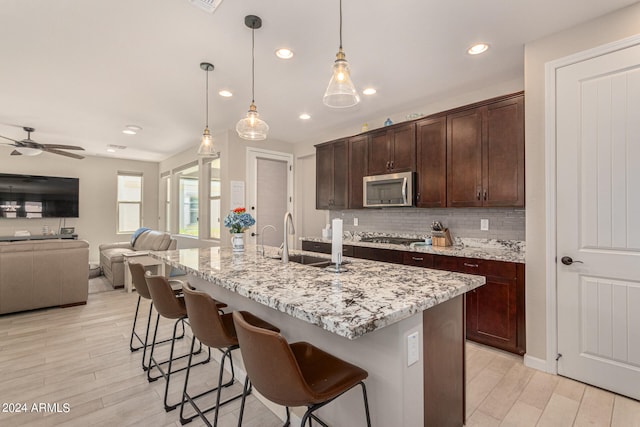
{"points": [[551, 69], [251, 176]]}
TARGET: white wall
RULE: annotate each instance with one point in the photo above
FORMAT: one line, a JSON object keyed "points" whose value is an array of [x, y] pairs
{"points": [[608, 28], [98, 192]]}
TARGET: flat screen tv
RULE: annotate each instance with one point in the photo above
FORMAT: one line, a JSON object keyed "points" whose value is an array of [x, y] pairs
{"points": [[34, 196]]}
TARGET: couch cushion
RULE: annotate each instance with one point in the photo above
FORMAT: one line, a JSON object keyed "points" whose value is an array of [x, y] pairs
{"points": [[113, 255], [153, 240]]}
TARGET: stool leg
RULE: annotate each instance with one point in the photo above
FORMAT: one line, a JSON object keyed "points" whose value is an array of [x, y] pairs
{"points": [[145, 366], [133, 329], [366, 403], [244, 396]]}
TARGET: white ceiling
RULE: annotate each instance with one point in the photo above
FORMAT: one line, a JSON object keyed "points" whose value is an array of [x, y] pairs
{"points": [[80, 70]]}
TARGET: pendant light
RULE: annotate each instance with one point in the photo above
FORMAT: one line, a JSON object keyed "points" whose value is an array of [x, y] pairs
{"points": [[252, 127], [207, 146], [341, 92]]}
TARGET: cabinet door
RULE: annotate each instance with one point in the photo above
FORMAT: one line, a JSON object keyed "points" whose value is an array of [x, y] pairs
{"points": [[503, 154], [324, 176], [376, 254], [464, 158], [402, 142], [491, 314], [340, 174], [418, 259], [357, 169], [379, 157], [321, 247], [431, 179]]}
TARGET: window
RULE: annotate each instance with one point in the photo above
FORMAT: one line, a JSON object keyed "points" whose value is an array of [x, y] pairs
{"points": [[188, 201], [166, 185], [214, 199], [129, 202]]}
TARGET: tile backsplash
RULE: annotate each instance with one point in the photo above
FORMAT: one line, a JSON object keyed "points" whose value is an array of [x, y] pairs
{"points": [[504, 223]]}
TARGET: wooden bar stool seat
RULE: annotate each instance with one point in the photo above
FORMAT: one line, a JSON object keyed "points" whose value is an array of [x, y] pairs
{"points": [[297, 374]]}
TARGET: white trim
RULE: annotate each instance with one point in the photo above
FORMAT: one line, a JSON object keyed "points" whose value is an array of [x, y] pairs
{"points": [[550, 188], [535, 363]]}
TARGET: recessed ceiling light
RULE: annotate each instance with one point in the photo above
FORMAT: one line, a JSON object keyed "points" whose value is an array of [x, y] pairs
{"points": [[284, 53], [131, 129], [225, 93], [304, 116], [369, 91], [111, 150], [478, 48]]}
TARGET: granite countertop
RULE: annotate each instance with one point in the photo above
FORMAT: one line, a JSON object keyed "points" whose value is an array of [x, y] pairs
{"points": [[489, 249], [367, 297]]}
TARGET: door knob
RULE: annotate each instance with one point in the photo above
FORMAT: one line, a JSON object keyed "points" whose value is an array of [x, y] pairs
{"points": [[567, 260]]}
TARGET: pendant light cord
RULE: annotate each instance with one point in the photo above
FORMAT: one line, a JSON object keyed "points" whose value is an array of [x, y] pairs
{"points": [[340, 24], [207, 100], [253, 65]]}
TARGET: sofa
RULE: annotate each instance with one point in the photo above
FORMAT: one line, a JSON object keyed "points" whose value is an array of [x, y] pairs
{"points": [[43, 273], [111, 254]]}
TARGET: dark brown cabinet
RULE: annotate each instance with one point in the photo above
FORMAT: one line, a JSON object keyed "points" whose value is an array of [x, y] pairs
{"points": [[392, 150], [332, 161], [378, 254], [358, 146], [485, 155], [417, 259], [494, 311], [431, 159], [325, 248]]}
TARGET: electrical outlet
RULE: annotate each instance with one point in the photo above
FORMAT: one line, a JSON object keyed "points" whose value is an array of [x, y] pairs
{"points": [[484, 225], [355, 222], [413, 349]]}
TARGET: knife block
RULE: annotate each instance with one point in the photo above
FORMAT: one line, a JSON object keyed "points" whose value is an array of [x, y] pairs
{"points": [[441, 238]]}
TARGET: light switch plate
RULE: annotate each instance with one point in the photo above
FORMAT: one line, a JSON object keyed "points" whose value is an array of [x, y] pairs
{"points": [[355, 222], [413, 349], [484, 225]]}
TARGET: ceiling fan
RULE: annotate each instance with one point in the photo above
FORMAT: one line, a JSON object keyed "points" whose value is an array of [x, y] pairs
{"points": [[29, 147]]}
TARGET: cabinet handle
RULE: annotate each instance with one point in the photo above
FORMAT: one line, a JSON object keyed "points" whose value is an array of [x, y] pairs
{"points": [[485, 194], [466, 264], [478, 196], [388, 163], [392, 164], [415, 258]]}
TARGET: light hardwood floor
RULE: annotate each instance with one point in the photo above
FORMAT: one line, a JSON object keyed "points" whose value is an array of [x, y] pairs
{"points": [[79, 356]]}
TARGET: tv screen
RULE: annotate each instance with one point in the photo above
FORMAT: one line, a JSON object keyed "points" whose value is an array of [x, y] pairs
{"points": [[33, 196]]}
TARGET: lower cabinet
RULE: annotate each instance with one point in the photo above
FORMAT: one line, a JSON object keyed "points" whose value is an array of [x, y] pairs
{"points": [[495, 313]]}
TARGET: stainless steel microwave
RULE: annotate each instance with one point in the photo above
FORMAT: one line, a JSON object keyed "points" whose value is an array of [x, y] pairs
{"points": [[389, 190]]}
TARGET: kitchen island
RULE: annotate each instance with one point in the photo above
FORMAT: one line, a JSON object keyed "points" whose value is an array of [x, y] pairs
{"points": [[365, 316]]}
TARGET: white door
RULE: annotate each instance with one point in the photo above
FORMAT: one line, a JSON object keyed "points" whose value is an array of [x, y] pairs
{"points": [[270, 182], [598, 220]]}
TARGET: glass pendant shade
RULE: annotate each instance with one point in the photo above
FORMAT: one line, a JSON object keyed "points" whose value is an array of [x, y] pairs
{"points": [[207, 146], [252, 127], [341, 92]]}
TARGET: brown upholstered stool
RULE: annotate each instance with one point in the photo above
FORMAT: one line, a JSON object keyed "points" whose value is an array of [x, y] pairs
{"points": [[170, 306], [214, 330], [138, 280], [297, 374]]}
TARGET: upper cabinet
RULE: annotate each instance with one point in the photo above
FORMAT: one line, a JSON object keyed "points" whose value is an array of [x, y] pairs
{"points": [[485, 155], [332, 174], [472, 156], [431, 149], [358, 147], [392, 150]]}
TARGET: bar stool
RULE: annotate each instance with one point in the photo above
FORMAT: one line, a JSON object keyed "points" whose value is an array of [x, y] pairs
{"points": [[297, 374], [214, 330], [138, 280], [170, 306]]}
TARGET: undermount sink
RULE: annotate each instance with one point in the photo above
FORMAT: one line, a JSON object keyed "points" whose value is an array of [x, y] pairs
{"points": [[313, 261]]}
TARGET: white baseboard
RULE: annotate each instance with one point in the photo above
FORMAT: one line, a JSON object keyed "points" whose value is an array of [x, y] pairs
{"points": [[535, 363]]}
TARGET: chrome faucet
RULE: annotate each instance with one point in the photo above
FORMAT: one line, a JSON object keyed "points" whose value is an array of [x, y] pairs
{"points": [[262, 237], [288, 221]]}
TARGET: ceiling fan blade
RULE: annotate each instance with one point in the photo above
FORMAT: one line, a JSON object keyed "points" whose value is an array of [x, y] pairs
{"points": [[65, 147], [16, 153], [62, 153], [10, 139]]}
